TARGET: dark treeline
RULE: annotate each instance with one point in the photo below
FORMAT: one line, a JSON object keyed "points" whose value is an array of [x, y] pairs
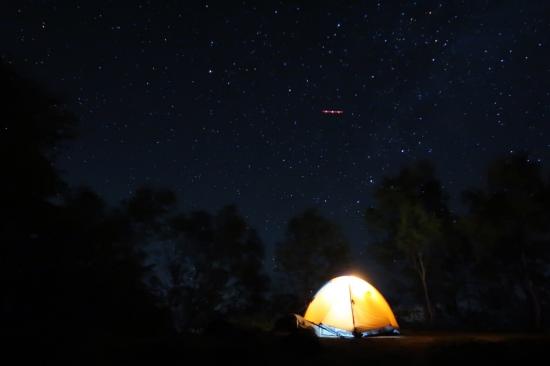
{"points": [[71, 264], [487, 268]]}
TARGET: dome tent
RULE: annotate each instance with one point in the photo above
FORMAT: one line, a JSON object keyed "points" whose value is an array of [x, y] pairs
{"points": [[348, 306]]}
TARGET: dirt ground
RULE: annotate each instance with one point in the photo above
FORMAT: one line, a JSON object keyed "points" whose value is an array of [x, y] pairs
{"points": [[426, 348], [440, 349]]}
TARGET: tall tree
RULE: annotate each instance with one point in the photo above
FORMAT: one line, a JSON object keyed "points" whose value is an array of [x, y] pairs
{"points": [[408, 217], [508, 227], [32, 125], [313, 251], [68, 263]]}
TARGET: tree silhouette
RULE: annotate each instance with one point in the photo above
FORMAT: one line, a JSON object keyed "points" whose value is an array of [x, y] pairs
{"points": [[313, 251], [32, 123], [213, 267], [508, 227], [103, 267], [69, 264], [409, 217]]}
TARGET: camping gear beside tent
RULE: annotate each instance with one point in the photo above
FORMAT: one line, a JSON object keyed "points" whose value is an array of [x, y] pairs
{"points": [[348, 306]]}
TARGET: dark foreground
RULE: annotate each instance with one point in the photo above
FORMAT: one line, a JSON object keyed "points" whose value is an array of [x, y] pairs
{"points": [[264, 349]]}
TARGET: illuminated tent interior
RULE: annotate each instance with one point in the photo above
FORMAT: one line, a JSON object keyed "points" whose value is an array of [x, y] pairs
{"points": [[348, 306]]}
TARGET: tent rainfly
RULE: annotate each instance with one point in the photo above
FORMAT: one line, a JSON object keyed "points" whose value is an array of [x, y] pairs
{"points": [[347, 307]]}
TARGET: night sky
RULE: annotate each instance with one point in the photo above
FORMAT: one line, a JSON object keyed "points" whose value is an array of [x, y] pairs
{"points": [[222, 102]]}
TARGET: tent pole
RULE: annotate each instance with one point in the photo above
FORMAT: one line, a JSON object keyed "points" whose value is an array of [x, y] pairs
{"points": [[351, 306]]}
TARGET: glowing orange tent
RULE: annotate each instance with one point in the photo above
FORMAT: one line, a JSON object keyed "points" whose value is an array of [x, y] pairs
{"points": [[348, 306]]}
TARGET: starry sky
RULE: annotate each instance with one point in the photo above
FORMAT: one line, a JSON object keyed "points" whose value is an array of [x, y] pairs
{"points": [[221, 101]]}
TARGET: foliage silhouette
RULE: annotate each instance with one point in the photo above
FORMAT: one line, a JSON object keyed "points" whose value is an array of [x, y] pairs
{"points": [[212, 268], [69, 264], [314, 250], [409, 218], [507, 225]]}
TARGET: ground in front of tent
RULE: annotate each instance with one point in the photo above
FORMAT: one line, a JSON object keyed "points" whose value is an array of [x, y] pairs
{"points": [[428, 348]]}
